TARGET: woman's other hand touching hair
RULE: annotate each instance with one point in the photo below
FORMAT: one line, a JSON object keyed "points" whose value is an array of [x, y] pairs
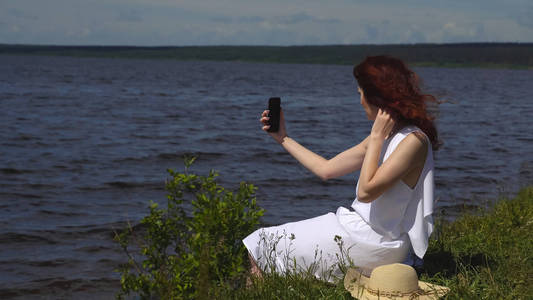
{"points": [[383, 125]]}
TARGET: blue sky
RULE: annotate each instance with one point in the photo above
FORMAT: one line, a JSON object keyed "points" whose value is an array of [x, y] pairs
{"points": [[263, 22]]}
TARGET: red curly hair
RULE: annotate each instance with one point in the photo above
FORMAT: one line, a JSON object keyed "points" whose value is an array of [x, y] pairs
{"points": [[387, 83]]}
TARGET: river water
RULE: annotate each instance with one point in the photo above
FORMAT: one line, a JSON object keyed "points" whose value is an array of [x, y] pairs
{"points": [[85, 144]]}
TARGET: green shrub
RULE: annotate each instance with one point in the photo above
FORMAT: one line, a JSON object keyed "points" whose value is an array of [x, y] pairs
{"points": [[193, 245]]}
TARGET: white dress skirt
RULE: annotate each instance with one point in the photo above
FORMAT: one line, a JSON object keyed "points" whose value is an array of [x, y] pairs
{"points": [[311, 246], [366, 236]]}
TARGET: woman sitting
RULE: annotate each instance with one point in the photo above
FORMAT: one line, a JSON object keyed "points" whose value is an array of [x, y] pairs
{"points": [[391, 214]]}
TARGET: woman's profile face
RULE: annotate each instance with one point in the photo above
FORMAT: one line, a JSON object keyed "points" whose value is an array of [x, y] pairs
{"points": [[370, 110]]}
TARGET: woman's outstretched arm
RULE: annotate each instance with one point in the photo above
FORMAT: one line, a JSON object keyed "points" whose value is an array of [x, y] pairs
{"points": [[343, 163]]}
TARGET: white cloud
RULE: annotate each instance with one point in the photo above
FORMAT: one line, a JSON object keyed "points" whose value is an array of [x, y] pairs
{"points": [[275, 22], [14, 28], [525, 17], [129, 15]]}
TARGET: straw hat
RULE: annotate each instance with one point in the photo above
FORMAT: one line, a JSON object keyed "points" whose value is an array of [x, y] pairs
{"points": [[395, 281]]}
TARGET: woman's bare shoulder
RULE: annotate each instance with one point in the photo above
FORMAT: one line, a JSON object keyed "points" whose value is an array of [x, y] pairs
{"points": [[420, 136], [415, 144]]}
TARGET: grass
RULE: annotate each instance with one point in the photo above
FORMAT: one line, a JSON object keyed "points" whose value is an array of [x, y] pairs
{"points": [[293, 286], [482, 255], [486, 256]]}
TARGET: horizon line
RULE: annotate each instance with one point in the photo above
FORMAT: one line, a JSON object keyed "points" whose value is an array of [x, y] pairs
{"points": [[273, 46]]}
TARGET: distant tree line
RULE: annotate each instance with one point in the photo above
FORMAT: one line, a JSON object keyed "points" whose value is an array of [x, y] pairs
{"points": [[508, 55]]}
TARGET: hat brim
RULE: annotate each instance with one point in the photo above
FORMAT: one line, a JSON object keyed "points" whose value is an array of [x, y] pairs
{"points": [[434, 290], [355, 281]]}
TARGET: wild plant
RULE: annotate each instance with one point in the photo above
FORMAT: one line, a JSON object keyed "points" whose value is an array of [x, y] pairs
{"points": [[279, 258], [184, 250]]}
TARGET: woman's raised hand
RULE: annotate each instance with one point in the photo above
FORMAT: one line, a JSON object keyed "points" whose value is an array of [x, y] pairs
{"points": [[383, 125], [281, 134]]}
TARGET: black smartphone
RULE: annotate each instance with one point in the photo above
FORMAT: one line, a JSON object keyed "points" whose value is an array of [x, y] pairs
{"points": [[274, 106]]}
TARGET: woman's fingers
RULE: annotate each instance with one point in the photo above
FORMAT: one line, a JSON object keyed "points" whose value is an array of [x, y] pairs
{"points": [[383, 124], [264, 117], [264, 120], [383, 113]]}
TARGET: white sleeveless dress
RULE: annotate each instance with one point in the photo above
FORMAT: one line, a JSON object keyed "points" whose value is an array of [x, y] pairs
{"points": [[381, 232]]}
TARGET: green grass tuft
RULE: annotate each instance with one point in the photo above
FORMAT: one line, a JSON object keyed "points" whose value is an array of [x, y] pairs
{"points": [[292, 286]]}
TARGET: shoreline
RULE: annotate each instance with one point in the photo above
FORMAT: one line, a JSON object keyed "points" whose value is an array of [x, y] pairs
{"points": [[472, 55]]}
